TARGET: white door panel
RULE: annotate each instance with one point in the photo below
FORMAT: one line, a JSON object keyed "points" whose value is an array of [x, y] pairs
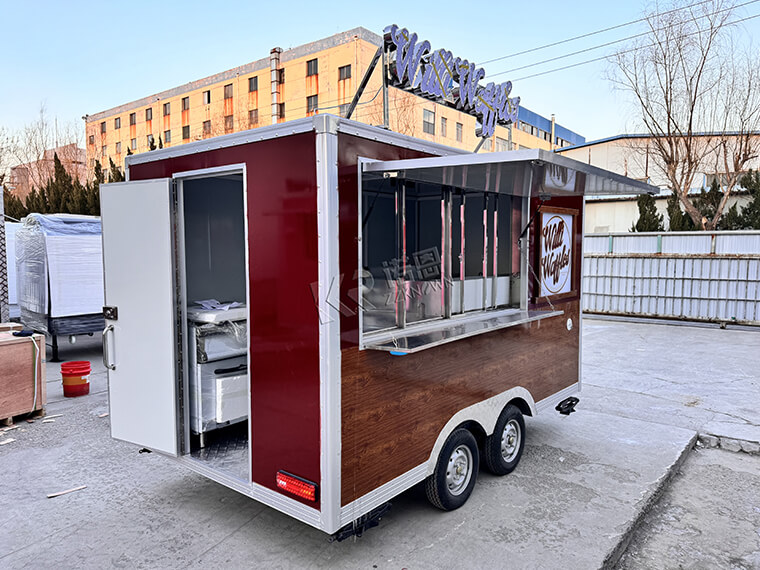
{"points": [[139, 281]]}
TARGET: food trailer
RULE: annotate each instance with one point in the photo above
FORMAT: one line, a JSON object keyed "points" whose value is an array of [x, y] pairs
{"points": [[321, 314]]}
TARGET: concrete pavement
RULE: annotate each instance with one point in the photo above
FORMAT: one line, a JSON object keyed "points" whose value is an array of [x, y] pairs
{"points": [[582, 486]]}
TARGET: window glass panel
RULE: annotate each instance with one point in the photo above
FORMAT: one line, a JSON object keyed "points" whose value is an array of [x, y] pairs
{"points": [[379, 254], [504, 234], [312, 67], [423, 252], [473, 234]]}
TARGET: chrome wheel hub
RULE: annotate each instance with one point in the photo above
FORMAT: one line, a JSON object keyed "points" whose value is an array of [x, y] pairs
{"points": [[459, 470], [510, 440]]}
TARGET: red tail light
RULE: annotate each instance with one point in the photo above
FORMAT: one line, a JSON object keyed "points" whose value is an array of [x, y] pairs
{"points": [[297, 486]]}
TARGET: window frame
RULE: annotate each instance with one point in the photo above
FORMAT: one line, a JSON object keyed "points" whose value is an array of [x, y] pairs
{"points": [[185, 105], [207, 97], [312, 67], [167, 136], [253, 84], [167, 109], [184, 132], [428, 127], [513, 278], [229, 91], [133, 119], [344, 72], [148, 114], [312, 104], [117, 123]]}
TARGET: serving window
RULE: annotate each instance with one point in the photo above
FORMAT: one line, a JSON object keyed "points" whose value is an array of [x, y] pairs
{"points": [[441, 258]]}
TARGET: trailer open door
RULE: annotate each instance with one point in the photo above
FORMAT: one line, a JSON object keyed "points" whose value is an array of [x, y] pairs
{"points": [[139, 342]]}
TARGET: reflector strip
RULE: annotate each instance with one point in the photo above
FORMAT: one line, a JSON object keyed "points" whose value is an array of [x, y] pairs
{"points": [[297, 486]]}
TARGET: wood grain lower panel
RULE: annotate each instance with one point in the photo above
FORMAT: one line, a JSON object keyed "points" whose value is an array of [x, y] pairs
{"points": [[393, 408]]}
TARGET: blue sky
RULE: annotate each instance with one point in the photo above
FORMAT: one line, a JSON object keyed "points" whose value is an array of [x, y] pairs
{"points": [[80, 57]]}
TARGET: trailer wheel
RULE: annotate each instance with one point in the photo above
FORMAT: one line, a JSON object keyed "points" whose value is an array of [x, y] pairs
{"points": [[504, 447], [456, 470]]}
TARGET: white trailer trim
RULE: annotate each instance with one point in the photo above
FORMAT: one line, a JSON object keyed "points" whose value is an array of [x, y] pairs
{"points": [[329, 320]]}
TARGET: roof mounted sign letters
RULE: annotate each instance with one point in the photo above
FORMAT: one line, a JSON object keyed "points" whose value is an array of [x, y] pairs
{"points": [[453, 81]]}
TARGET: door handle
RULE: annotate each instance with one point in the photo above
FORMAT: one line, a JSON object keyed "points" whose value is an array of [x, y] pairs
{"points": [[106, 356]]}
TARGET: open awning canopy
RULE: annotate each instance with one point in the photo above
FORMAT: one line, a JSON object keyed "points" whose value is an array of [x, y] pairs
{"points": [[521, 172]]}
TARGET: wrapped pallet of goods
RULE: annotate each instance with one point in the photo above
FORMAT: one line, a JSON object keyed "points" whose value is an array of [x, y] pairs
{"points": [[59, 272]]}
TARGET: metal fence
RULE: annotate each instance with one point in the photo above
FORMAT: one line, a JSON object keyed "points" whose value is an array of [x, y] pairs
{"points": [[702, 276]]}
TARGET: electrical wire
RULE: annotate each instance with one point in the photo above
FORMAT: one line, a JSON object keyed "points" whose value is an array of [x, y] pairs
{"points": [[585, 50], [621, 52], [589, 34]]}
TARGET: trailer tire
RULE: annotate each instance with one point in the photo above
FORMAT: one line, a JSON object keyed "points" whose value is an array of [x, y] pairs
{"points": [[456, 471], [503, 448]]}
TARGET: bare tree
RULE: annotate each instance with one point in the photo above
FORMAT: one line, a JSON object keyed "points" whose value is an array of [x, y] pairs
{"points": [[698, 98], [32, 147]]}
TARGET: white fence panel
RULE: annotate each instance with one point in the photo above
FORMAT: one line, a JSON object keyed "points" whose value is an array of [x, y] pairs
{"points": [[703, 276]]}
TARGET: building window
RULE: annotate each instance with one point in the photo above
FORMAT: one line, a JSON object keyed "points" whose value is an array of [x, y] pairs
{"points": [[502, 145], [151, 141], [343, 110], [186, 132], [344, 72], [228, 91], [185, 103], [206, 97], [167, 109], [428, 121], [132, 118], [133, 144], [103, 151], [281, 76], [206, 128], [459, 132], [253, 84], [118, 148], [102, 127], [312, 67], [443, 126], [281, 110], [167, 136], [253, 117], [229, 124], [149, 114], [487, 145], [117, 123], [311, 104], [92, 139]]}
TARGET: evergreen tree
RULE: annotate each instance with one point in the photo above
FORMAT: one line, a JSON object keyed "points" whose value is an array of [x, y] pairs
{"points": [[152, 144], [677, 220], [750, 216], [160, 143], [649, 220], [14, 207], [114, 174]]}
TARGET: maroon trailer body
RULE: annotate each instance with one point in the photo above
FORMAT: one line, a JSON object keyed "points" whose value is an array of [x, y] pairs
{"points": [[402, 307]]}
